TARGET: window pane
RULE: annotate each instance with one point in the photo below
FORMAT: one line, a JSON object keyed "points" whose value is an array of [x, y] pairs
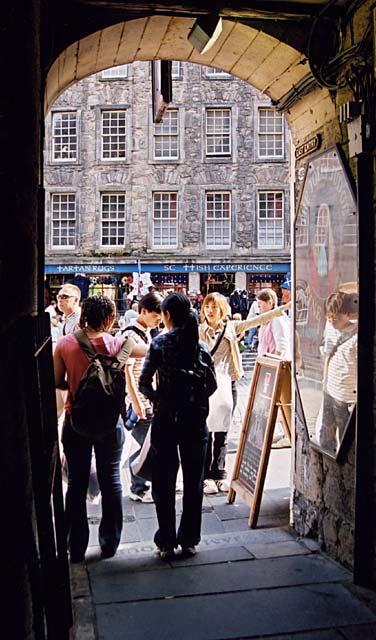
{"points": [[113, 135], [64, 137], [113, 219], [63, 219], [218, 222], [165, 219], [270, 135], [270, 219]]}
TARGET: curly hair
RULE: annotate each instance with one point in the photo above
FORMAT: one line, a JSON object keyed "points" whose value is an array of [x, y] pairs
{"points": [[97, 313]]}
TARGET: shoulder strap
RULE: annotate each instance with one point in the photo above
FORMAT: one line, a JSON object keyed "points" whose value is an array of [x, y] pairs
{"points": [[85, 343], [219, 340], [86, 346], [139, 332]]}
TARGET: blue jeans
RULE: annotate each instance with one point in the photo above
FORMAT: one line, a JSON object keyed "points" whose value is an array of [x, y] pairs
{"points": [[78, 451], [139, 431], [251, 334], [187, 439]]}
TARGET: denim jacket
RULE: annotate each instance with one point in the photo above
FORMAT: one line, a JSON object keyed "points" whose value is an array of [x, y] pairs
{"points": [[164, 358]]}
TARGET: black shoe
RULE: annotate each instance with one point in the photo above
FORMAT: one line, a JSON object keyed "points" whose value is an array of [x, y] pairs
{"points": [[108, 551], [76, 559]]}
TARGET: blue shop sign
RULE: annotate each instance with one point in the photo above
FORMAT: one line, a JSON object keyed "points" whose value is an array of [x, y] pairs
{"points": [[213, 268]]}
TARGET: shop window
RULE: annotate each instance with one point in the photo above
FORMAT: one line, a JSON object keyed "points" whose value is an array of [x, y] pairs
{"points": [[115, 73], [218, 132], [218, 219], [270, 134], [64, 136], [166, 137], [216, 74], [165, 219], [63, 220], [113, 139], [270, 219], [112, 219]]}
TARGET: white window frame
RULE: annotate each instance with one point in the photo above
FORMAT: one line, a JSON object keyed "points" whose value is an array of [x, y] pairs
{"points": [[218, 131], [63, 217], [212, 73], [114, 137], [119, 220], [172, 222], [223, 223], [68, 138], [302, 227], [271, 219], [270, 133], [115, 73], [322, 225], [176, 70], [165, 133]]}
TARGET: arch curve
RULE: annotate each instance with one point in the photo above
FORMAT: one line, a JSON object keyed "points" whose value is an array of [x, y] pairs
{"points": [[267, 63]]}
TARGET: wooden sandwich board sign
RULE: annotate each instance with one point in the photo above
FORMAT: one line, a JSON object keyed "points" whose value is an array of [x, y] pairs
{"points": [[270, 391]]}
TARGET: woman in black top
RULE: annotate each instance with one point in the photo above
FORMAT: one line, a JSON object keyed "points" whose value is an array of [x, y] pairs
{"points": [[178, 427]]}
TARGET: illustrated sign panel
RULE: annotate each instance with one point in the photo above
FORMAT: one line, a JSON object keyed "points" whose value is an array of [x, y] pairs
{"points": [[326, 270], [271, 381]]}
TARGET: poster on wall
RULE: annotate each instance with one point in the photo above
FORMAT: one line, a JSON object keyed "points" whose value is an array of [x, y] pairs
{"points": [[326, 271]]}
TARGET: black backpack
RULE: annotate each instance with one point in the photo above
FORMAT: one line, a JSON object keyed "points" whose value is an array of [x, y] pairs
{"points": [[139, 332], [199, 381], [100, 395]]}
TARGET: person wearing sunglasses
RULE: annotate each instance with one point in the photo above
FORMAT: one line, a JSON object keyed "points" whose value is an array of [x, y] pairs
{"points": [[68, 301]]}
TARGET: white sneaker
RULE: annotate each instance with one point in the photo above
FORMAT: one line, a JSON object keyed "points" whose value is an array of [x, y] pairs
{"points": [[210, 487], [141, 497], [222, 486]]}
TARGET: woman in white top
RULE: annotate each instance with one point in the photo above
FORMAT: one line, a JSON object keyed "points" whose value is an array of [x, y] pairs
{"points": [[274, 336], [228, 367]]}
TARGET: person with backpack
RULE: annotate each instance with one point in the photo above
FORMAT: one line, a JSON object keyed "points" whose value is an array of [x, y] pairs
{"points": [[185, 379], [90, 364], [139, 411]]}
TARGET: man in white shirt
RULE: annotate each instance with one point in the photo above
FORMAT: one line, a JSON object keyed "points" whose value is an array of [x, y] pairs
{"points": [[68, 301], [148, 318]]}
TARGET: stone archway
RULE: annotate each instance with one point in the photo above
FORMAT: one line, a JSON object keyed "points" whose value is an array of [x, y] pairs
{"points": [[267, 63]]}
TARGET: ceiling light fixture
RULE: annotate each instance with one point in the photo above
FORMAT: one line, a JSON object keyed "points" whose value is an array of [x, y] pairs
{"points": [[205, 31]]}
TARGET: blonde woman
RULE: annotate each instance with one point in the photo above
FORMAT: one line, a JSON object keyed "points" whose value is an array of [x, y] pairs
{"points": [[223, 336]]}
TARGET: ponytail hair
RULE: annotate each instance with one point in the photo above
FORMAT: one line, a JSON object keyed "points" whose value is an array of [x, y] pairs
{"points": [[183, 319]]}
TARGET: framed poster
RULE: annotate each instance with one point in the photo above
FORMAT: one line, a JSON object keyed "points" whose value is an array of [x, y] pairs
{"points": [[270, 392], [326, 270]]}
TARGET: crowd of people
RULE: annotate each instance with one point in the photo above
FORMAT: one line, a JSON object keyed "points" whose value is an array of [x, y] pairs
{"points": [[163, 337]]}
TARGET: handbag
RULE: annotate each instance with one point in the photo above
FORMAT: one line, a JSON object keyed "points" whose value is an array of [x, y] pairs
{"points": [[131, 418], [142, 465]]}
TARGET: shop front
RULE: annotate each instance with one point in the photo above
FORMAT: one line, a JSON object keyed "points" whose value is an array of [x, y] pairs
{"points": [[122, 282]]}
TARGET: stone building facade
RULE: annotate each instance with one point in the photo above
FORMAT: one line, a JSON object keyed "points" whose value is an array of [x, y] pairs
{"points": [[201, 200]]}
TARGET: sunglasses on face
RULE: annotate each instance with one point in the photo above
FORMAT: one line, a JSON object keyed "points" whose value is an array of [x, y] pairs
{"points": [[64, 296]]}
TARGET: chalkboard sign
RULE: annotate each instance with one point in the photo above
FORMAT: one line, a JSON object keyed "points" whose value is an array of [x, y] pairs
{"points": [[270, 390]]}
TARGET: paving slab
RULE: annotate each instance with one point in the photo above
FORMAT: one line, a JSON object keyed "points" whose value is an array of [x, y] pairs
{"points": [[250, 614], [216, 578], [289, 548]]}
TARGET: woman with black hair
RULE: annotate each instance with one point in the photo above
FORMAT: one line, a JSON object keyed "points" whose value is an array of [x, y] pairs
{"points": [[70, 363], [178, 430]]}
